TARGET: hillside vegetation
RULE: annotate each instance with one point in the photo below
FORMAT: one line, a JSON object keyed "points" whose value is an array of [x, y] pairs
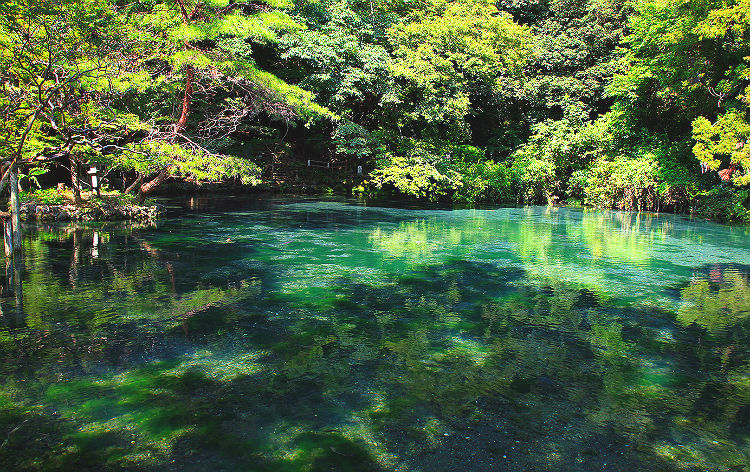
{"points": [[638, 104]]}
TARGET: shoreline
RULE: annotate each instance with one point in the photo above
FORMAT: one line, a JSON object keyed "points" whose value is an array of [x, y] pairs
{"points": [[106, 211], [99, 211]]}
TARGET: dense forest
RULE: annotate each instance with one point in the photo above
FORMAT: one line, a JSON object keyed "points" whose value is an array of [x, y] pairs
{"points": [[629, 104]]}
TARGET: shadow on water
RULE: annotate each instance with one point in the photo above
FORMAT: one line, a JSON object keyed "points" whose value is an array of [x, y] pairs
{"points": [[146, 350]]}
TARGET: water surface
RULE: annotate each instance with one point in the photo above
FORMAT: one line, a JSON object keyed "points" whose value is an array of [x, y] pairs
{"points": [[296, 335]]}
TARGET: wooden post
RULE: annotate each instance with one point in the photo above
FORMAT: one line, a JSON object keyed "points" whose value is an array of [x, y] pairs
{"points": [[15, 207], [94, 173]]}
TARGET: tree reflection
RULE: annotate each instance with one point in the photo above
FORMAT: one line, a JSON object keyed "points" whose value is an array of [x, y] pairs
{"points": [[154, 362], [718, 300]]}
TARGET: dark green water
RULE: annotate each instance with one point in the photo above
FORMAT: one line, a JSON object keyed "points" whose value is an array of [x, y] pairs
{"points": [[303, 335]]}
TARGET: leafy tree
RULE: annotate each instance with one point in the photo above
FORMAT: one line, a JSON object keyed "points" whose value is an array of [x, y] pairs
{"points": [[452, 60], [343, 62], [723, 143], [687, 68], [420, 171], [208, 46], [49, 53], [574, 58], [341, 57], [565, 94], [472, 100]]}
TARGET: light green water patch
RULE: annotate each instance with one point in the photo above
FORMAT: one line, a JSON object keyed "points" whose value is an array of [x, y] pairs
{"points": [[303, 335]]}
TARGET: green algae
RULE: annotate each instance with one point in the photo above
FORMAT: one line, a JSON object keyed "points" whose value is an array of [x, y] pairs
{"points": [[523, 339]]}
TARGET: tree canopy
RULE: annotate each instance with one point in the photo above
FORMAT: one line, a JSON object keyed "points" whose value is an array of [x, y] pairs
{"points": [[636, 105]]}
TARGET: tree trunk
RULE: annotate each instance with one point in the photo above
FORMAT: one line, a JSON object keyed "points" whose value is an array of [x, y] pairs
{"points": [[15, 207], [134, 184], [149, 187], [6, 177], [75, 185], [186, 99]]}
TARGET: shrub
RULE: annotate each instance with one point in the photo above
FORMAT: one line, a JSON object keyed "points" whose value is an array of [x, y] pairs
{"points": [[421, 173], [624, 183], [535, 180], [485, 182], [48, 196], [725, 204]]}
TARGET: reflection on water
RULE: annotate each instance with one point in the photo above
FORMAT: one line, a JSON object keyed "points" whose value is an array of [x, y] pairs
{"points": [[717, 301], [330, 336]]}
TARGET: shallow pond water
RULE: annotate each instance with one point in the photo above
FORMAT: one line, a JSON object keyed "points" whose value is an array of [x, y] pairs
{"points": [[307, 335]]}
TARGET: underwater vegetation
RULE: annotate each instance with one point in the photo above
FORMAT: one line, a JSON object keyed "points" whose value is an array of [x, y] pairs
{"points": [[302, 336]]}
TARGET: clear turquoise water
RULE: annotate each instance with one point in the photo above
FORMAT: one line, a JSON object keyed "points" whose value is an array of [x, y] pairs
{"points": [[328, 335]]}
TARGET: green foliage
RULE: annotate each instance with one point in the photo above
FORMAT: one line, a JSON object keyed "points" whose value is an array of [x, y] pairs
{"points": [[458, 173], [609, 102], [535, 180], [48, 196], [684, 77], [724, 204], [184, 163], [724, 141], [628, 184], [557, 150], [53, 55], [484, 182], [218, 38], [446, 57], [32, 176], [344, 65], [423, 172], [574, 58], [352, 140], [662, 81]]}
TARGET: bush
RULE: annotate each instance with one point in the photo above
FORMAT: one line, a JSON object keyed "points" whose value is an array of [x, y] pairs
{"points": [[439, 172], [484, 182], [678, 186], [424, 172], [48, 196], [724, 204], [554, 153], [624, 183], [535, 180]]}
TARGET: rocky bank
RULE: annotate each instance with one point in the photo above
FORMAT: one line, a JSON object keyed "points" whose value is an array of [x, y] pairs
{"points": [[90, 212]]}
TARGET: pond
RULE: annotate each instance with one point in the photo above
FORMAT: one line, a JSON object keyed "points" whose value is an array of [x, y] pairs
{"points": [[309, 335]]}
